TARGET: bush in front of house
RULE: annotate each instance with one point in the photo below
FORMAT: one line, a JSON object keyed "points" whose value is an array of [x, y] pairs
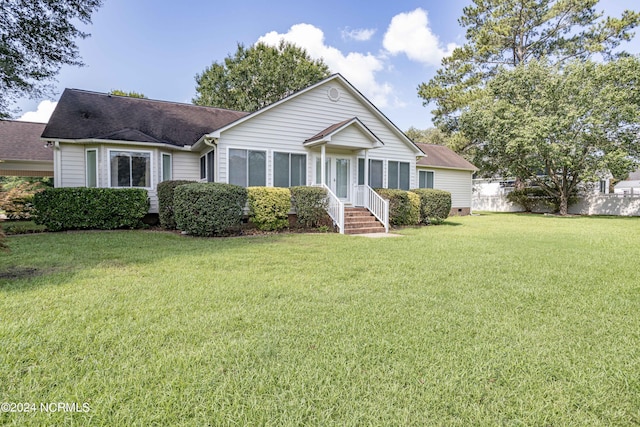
{"points": [[3, 244], [209, 208], [310, 204], [78, 208], [269, 207], [16, 198], [402, 211], [166, 204], [435, 205]]}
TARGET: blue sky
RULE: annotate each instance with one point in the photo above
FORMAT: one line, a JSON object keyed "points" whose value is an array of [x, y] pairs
{"points": [[386, 49]]}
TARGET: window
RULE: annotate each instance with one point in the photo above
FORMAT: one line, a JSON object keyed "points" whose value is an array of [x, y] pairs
{"points": [[92, 168], [166, 167], [207, 166], [375, 173], [289, 170], [399, 175], [130, 169], [247, 168], [603, 186], [425, 179], [203, 167]]}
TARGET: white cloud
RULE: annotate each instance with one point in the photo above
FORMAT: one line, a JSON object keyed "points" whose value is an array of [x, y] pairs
{"points": [[409, 33], [42, 113], [360, 69], [361, 34]]}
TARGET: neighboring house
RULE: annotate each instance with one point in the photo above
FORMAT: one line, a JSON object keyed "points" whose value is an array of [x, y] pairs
{"points": [[443, 169], [22, 152], [327, 134], [630, 186]]}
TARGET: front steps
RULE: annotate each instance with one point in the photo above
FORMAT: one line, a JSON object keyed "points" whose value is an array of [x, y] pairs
{"points": [[361, 221]]}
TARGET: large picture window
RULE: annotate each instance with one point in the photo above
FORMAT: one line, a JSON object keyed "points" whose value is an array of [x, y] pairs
{"points": [[130, 169], [425, 179], [375, 173], [247, 168], [399, 175], [289, 170]]}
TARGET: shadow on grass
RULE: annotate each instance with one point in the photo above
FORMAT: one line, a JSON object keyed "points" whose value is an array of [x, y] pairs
{"points": [[52, 259]]}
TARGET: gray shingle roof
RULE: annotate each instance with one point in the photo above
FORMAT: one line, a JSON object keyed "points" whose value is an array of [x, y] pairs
{"points": [[444, 157], [21, 141], [83, 114]]}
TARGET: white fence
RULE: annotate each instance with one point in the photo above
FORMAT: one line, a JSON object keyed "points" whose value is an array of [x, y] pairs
{"points": [[597, 204]]}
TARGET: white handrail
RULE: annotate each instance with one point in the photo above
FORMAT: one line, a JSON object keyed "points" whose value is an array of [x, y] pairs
{"points": [[335, 208], [371, 200]]}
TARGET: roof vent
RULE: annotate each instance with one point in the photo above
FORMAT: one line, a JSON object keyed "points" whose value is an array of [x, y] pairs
{"points": [[333, 94]]}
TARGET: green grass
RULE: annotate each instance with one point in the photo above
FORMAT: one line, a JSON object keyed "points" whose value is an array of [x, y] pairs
{"points": [[488, 320]]}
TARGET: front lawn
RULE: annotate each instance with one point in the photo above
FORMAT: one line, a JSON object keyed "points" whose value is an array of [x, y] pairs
{"points": [[491, 320]]}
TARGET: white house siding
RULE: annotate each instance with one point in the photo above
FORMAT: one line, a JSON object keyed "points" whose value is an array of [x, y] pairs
{"points": [[71, 171], [457, 182], [286, 126], [186, 165]]}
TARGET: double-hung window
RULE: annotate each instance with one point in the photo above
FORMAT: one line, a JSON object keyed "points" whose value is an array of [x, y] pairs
{"points": [[91, 167], [289, 170], [425, 179], [375, 173], [399, 175], [207, 163], [130, 168], [247, 168], [166, 167]]}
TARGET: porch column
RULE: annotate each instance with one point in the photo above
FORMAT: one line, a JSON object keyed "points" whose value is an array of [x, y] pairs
{"points": [[322, 164], [366, 166]]}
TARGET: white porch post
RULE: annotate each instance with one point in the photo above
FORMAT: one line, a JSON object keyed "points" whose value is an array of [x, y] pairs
{"points": [[322, 164]]}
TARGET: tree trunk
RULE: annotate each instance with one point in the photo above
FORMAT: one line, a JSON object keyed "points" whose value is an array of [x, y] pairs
{"points": [[564, 204]]}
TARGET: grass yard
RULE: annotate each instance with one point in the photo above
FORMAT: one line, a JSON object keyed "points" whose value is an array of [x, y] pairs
{"points": [[496, 319]]}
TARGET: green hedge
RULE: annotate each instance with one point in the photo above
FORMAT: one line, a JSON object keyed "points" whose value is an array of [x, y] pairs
{"points": [[310, 204], [402, 211], [90, 208], [165, 202], [208, 209], [269, 207], [435, 205]]}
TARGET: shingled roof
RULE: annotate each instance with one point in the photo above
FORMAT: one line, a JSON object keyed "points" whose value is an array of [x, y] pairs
{"points": [[88, 115], [21, 141], [439, 156]]}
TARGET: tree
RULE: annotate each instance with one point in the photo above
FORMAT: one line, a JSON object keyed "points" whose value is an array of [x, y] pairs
{"points": [[130, 94], [427, 136], [257, 76], [558, 127], [507, 33], [38, 37]]}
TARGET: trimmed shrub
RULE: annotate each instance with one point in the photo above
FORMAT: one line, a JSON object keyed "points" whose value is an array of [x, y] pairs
{"points": [[401, 210], [209, 208], [90, 208], [435, 205], [165, 202], [414, 214], [269, 207], [310, 204]]}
